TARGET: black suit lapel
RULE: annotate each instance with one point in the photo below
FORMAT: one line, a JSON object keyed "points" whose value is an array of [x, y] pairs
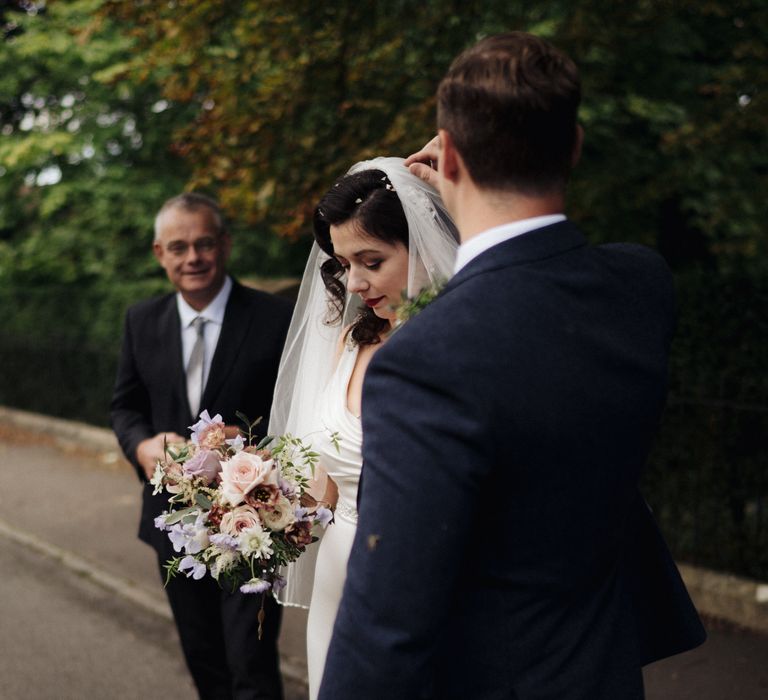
{"points": [[169, 336], [234, 330], [539, 244]]}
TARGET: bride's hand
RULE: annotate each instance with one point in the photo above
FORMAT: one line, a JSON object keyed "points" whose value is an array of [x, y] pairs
{"points": [[322, 488], [423, 163]]}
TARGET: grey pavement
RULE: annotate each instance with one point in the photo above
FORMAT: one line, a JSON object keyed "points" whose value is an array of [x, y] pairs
{"points": [[84, 614], [68, 637]]}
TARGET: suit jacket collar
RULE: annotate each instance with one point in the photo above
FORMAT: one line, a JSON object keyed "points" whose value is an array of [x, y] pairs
{"points": [[172, 355], [234, 330], [539, 244]]}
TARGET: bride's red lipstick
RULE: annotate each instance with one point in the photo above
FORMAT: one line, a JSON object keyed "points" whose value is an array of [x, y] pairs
{"points": [[373, 302]]}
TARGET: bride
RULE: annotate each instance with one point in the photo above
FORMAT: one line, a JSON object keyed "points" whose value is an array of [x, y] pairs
{"points": [[379, 232]]}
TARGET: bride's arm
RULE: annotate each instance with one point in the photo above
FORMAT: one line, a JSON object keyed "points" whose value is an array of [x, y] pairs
{"points": [[323, 489]]}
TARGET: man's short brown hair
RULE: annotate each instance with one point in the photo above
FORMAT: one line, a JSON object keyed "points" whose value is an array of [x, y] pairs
{"points": [[509, 104]]}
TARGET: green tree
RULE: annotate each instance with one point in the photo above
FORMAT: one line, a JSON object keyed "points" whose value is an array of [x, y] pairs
{"points": [[84, 161], [676, 116], [287, 96]]}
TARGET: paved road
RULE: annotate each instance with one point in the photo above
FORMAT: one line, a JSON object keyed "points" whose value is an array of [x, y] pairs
{"points": [[84, 616], [731, 665], [66, 637]]}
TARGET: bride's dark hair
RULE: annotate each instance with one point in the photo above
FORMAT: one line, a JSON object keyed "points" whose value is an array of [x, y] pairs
{"points": [[367, 199]]}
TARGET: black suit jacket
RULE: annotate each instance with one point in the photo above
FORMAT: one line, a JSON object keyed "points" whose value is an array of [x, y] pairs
{"points": [[150, 391], [503, 550]]}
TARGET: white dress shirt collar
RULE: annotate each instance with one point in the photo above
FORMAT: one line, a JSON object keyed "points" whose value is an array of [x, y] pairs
{"points": [[498, 234], [213, 312]]}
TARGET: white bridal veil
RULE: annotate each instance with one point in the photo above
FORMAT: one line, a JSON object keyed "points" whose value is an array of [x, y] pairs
{"points": [[307, 362]]}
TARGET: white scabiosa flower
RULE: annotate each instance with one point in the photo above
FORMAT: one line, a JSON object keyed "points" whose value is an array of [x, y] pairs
{"points": [[254, 541]]}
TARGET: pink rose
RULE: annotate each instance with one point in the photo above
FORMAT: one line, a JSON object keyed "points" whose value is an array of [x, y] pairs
{"points": [[244, 472], [204, 465], [239, 519]]}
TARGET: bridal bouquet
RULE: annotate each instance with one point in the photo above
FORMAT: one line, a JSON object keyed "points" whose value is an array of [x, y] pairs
{"points": [[237, 510]]}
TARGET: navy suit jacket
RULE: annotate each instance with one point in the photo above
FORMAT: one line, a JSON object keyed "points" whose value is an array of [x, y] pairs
{"points": [[150, 393], [503, 549]]}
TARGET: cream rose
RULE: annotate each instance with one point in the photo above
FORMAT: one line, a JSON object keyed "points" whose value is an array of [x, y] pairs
{"points": [[242, 473], [280, 517], [239, 519]]}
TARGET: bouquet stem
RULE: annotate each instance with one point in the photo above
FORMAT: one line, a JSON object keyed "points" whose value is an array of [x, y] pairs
{"points": [[260, 616]]}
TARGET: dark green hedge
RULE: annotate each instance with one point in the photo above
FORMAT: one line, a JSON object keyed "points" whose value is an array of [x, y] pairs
{"points": [[708, 476], [59, 346]]}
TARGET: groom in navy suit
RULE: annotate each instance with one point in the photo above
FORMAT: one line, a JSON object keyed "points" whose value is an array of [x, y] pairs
{"points": [[159, 391], [503, 549]]}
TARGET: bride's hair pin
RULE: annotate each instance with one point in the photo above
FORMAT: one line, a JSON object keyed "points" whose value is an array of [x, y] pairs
{"points": [[388, 184], [358, 201]]}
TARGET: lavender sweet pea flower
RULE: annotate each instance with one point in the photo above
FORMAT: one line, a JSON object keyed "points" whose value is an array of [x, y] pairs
{"points": [[194, 568], [301, 515], [323, 516], [255, 585], [204, 465], [224, 541], [191, 537], [236, 443], [177, 536], [160, 523]]}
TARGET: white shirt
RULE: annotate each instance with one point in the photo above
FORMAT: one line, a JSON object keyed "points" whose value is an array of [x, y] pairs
{"points": [[214, 316], [498, 234]]}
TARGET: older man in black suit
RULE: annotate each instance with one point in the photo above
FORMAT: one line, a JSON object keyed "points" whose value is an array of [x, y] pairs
{"points": [[503, 550], [215, 345]]}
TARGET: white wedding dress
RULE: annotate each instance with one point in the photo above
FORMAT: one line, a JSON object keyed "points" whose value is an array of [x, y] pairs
{"points": [[343, 466]]}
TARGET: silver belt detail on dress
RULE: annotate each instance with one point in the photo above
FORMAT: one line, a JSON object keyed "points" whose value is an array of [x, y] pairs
{"points": [[347, 512]]}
